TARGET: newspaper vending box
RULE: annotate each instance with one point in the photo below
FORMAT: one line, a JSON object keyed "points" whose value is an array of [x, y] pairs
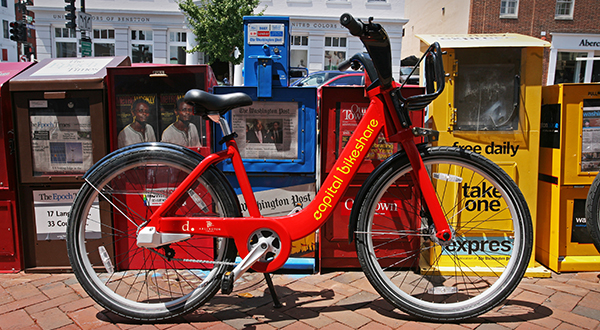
{"points": [[10, 246], [491, 105], [60, 112], [569, 162]]}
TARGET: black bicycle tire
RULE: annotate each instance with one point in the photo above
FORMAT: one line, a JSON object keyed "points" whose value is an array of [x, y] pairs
{"points": [[491, 169], [111, 164], [592, 212]]}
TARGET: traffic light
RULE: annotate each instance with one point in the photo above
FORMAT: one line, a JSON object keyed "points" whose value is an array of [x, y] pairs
{"points": [[18, 31], [28, 51], [70, 15]]}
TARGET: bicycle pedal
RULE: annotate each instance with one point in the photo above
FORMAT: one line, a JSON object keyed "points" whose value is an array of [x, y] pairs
{"points": [[227, 283]]}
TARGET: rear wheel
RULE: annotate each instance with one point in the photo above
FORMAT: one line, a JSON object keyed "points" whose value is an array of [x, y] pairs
{"points": [[119, 196], [462, 278]]}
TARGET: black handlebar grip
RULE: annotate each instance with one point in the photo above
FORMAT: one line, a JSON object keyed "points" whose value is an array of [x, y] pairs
{"points": [[345, 64], [355, 27]]}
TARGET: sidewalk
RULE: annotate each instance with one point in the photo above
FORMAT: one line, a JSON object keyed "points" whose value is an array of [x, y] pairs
{"points": [[337, 300]]}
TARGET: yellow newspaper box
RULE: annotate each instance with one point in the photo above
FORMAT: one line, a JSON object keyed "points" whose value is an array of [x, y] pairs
{"points": [[491, 105], [569, 161]]}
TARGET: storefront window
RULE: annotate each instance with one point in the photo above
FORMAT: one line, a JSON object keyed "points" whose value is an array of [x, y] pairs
{"points": [[177, 43], [104, 49], [299, 51], [66, 44], [569, 69], [141, 53], [104, 42], [177, 55], [596, 71], [335, 52], [66, 49], [141, 35], [141, 49]]}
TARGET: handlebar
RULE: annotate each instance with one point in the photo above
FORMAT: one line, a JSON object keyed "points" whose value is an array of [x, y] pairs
{"points": [[365, 60], [355, 27], [377, 43], [378, 61]]}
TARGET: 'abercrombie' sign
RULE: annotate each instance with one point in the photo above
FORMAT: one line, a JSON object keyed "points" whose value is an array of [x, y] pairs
{"points": [[587, 43], [572, 41]]}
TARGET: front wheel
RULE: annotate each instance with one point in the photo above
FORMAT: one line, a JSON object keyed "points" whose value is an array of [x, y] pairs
{"points": [[118, 197], [432, 279]]}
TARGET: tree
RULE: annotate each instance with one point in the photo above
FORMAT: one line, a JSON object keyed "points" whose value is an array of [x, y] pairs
{"points": [[218, 26]]}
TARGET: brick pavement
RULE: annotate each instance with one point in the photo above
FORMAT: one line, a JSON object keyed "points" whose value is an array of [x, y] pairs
{"points": [[336, 300]]}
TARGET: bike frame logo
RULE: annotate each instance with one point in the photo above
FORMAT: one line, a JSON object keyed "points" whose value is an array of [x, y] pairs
{"points": [[349, 163]]}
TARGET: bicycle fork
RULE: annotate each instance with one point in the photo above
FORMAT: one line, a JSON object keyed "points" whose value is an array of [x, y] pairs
{"points": [[406, 136], [443, 232]]}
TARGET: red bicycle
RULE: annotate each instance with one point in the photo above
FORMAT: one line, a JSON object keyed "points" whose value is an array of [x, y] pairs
{"points": [[441, 232]]}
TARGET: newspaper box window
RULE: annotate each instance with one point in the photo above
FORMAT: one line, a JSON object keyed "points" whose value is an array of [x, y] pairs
{"points": [[487, 89], [146, 105], [267, 130], [590, 137], [61, 136]]}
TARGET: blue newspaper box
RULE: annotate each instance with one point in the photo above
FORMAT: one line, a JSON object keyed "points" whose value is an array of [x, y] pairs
{"points": [[266, 52], [277, 134], [277, 141]]}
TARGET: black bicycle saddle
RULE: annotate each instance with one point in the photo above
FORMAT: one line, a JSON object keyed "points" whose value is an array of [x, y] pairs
{"points": [[206, 103]]}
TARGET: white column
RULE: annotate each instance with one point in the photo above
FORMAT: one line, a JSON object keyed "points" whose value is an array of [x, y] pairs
{"points": [[552, 66], [589, 65], [191, 59], [122, 42], [238, 71], [160, 44]]}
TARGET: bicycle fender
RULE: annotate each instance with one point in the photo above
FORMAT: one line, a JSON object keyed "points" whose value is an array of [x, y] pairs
{"points": [[395, 159]]}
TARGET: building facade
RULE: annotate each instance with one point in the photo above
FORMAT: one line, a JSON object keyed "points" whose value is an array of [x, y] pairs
{"points": [[319, 41], [149, 31], [155, 31], [433, 17], [8, 48], [570, 25]]}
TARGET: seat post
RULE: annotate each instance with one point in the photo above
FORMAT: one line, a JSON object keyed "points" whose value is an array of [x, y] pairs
{"points": [[224, 126]]}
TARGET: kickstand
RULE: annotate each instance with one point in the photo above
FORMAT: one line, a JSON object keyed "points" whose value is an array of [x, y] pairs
{"points": [[276, 302]]}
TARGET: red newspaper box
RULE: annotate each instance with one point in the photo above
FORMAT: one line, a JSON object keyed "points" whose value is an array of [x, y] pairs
{"points": [[341, 109], [59, 106], [10, 252], [159, 91]]}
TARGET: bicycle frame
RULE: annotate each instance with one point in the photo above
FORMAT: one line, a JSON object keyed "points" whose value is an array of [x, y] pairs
{"points": [[310, 218]]}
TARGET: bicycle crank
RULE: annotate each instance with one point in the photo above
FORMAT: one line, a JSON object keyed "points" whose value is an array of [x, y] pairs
{"points": [[264, 245]]}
